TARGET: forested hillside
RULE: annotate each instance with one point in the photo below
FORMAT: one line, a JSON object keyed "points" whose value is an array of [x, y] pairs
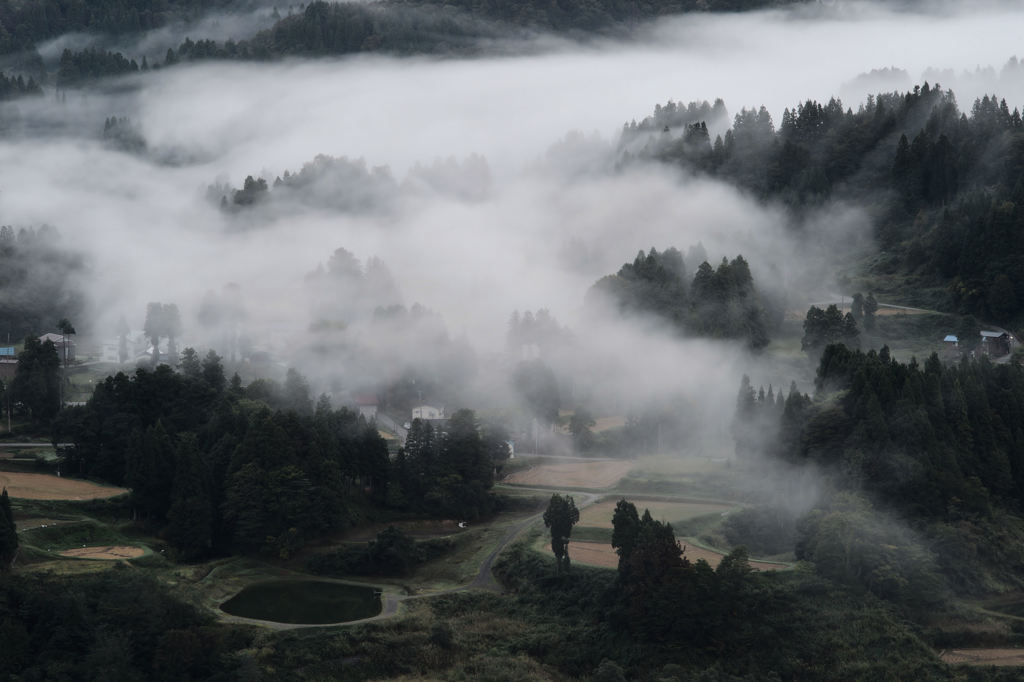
{"points": [[930, 458], [942, 185]]}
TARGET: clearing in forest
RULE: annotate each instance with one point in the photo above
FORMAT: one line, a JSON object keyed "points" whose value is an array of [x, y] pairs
{"points": [[48, 487]]}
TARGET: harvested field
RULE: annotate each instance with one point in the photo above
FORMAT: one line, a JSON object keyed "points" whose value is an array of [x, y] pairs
{"points": [[110, 553], [1003, 657], [600, 515], [600, 554], [608, 423], [583, 474], [47, 487]]}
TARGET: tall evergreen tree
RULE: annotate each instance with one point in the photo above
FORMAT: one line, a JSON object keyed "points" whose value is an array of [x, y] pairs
{"points": [[8, 533], [190, 518]]}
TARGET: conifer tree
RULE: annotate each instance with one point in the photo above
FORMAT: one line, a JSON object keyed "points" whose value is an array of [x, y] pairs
{"points": [[8, 533]]}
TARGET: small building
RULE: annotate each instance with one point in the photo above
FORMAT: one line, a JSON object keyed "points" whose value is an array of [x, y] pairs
{"points": [[59, 342], [951, 340], [8, 368], [428, 412], [996, 344]]}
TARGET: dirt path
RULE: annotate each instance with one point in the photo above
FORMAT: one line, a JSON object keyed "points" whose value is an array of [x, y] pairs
{"points": [[484, 579], [1000, 657]]}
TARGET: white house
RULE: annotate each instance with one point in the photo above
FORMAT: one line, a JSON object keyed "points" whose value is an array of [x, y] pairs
{"points": [[428, 412], [367, 406], [58, 342]]}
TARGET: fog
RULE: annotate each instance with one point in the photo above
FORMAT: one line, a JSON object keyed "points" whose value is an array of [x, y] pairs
{"points": [[550, 215]]}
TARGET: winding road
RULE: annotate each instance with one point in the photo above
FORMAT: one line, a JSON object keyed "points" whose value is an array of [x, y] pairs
{"points": [[484, 579]]}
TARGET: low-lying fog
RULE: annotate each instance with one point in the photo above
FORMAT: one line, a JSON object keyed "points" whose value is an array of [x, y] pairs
{"points": [[545, 215]]}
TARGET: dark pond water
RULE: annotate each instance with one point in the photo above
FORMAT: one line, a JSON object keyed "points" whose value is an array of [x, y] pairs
{"points": [[311, 602], [1013, 608]]}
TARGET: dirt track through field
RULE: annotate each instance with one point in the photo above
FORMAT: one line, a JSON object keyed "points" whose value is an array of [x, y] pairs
{"points": [[1001, 657], [47, 487], [583, 474]]}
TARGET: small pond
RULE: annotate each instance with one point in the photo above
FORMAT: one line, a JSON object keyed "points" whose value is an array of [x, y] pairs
{"points": [[312, 602]]}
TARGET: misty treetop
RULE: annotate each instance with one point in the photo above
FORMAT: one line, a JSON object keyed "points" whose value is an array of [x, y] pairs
{"points": [[945, 184], [37, 280], [718, 302], [17, 86]]}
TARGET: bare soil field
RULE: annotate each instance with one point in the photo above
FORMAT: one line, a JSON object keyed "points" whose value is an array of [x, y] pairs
{"points": [[47, 487], [110, 553], [600, 515], [1003, 657], [583, 474], [600, 554], [37, 522]]}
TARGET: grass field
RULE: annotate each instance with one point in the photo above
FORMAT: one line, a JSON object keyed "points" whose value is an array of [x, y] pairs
{"points": [[603, 555]]}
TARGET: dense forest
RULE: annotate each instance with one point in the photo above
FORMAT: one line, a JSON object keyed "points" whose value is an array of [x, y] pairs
{"points": [[718, 302]]}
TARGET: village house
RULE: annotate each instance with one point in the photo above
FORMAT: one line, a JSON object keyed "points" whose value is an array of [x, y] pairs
{"points": [[996, 344], [428, 413], [59, 342]]}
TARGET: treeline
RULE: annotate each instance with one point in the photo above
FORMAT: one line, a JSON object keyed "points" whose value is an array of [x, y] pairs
{"points": [[77, 68], [216, 467], [17, 86], [718, 302], [945, 184], [334, 182], [36, 272], [23, 24], [411, 26]]}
